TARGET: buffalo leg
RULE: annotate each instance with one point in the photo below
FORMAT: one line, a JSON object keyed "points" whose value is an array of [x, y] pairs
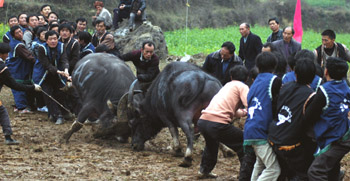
{"points": [[78, 124], [175, 135], [187, 128]]}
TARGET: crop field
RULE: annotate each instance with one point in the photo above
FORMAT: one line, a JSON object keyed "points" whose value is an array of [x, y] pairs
{"points": [[208, 40], [328, 3]]}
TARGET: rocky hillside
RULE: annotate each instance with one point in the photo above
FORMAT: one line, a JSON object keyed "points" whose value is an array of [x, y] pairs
{"points": [[171, 14]]}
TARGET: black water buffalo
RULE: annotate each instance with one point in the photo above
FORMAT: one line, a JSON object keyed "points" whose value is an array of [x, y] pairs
{"points": [[97, 78], [175, 98]]}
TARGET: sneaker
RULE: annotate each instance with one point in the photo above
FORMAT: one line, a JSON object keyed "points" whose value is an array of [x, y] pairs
{"points": [[25, 111], [206, 175], [59, 121], [43, 109], [11, 141]]}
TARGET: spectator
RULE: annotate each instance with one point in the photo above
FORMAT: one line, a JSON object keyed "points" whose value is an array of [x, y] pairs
{"points": [[29, 35], [12, 21], [86, 47], [221, 61], [52, 16], [102, 14], [137, 10], [81, 24], [102, 36], [250, 46], [276, 31], [45, 10], [22, 21], [122, 12]]}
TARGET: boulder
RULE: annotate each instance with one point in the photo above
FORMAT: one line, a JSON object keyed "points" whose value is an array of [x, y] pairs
{"points": [[127, 40]]}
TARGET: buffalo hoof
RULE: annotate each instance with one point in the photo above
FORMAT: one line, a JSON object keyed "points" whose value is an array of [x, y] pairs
{"points": [[138, 147], [178, 153], [65, 138], [187, 162]]}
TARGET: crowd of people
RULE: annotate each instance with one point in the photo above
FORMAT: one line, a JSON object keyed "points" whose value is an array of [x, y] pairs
{"points": [[42, 50], [296, 101], [297, 107]]}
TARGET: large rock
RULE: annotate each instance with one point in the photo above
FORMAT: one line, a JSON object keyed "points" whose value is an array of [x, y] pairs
{"points": [[127, 41]]}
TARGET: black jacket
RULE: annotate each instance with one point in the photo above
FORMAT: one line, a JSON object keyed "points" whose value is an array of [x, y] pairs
{"points": [[249, 50], [213, 66]]}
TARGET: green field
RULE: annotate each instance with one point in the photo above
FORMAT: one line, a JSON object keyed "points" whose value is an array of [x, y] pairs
{"points": [[208, 40], [328, 3]]}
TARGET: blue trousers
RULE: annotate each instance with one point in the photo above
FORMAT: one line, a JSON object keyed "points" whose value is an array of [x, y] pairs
{"points": [[20, 99]]}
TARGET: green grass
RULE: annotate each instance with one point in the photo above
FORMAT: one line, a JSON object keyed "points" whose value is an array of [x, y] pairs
{"points": [[209, 40], [3, 30], [327, 3]]}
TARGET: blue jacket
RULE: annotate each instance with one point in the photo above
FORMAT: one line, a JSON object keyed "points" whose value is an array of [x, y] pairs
{"points": [[334, 122], [89, 48], [39, 72], [259, 110], [20, 69]]}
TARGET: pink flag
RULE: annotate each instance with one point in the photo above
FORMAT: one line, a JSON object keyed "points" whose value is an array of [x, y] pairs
{"points": [[2, 3], [298, 24]]}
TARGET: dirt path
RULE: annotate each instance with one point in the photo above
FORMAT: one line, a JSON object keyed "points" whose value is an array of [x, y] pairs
{"points": [[41, 157]]}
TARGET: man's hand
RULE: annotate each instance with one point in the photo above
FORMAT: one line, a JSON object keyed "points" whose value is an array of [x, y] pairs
{"points": [[65, 73], [139, 12], [37, 88], [122, 6]]}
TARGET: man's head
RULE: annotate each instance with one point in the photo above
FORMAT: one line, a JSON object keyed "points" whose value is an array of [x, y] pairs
{"points": [[244, 29], [41, 20], [304, 53], [305, 70], [227, 50], [40, 33], [266, 62], [288, 33], [32, 21], [274, 24], [281, 65], [239, 72], [16, 32], [98, 5], [84, 38], [81, 24], [336, 68], [65, 31], [147, 49], [12, 21], [4, 50], [51, 38], [100, 26], [45, 10], [328, 38], [22, 19], [52, 16], [268, 47], [54, 27]]}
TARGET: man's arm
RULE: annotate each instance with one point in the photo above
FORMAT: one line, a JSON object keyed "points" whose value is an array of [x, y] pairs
{"points": [[240, 53], [347, 53], [275, 90], [5, 39], [129, 56], [109, 41], [24, 53], [313, 107], [9, 81], [259, 45], [75, 55], [143, 5]]}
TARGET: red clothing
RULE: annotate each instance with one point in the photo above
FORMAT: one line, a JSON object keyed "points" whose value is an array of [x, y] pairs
{"points": [[226, 103]]}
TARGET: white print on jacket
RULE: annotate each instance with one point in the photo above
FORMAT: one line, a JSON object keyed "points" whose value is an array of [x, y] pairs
{"points": [[284, 115], [252, 108]]}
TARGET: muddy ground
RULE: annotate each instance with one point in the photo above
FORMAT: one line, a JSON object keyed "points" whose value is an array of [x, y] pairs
{"points": [[40, 156]]}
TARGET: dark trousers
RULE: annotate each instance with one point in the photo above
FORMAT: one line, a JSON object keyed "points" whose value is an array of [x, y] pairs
{"points": [[5, 121], [215, 133], [119, 15], [293, 163], [51, 86], [327, 165]]}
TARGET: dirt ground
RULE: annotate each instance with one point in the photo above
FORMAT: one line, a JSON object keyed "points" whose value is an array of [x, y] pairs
{"points": [[40, 156]]}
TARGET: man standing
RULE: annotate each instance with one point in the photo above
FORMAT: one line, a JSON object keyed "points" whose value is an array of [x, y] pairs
{"points": [[29, 35], [276, 31], [250, 46], [146, 63], [102, 36], [71, 46], [330, 48], [287, 45], [20, 65], [12, 21], [45, 10], [221, 61]]}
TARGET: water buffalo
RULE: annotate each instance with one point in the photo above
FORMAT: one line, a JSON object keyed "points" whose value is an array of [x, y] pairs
{"points": [[175, 98], [97, 78]]}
